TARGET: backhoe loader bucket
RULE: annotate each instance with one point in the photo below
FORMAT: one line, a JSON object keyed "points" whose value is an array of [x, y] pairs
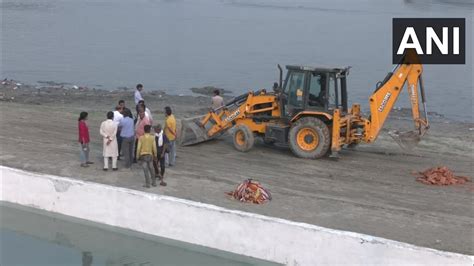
{"points": [[407, 140], [192, 132]]}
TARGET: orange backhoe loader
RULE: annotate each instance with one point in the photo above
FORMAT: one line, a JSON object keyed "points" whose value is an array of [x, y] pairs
{"points": [[309, 112]]}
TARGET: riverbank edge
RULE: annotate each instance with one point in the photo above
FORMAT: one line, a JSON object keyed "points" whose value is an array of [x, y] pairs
{"points": [[243, 233], [48, 92]]}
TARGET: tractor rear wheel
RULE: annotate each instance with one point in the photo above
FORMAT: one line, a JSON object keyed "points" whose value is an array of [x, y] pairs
{"points": [[243, 138], [309, 138]]}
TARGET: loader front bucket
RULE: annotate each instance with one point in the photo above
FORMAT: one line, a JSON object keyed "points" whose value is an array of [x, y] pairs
{"points": [[407, 140], [192, 132]]}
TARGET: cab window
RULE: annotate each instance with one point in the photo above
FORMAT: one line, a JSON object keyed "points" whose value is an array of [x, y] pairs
{"points": [[334, 95], [294, 89], [317, 90]]}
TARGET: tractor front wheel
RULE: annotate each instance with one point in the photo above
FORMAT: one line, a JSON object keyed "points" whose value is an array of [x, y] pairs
{"points": [[309, 138], [243, 138]]}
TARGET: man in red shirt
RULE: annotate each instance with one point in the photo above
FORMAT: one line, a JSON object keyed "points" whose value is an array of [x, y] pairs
{"points": [[84, 139]]}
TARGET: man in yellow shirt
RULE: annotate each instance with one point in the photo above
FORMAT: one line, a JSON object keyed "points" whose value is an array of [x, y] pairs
{"points": [[170, 132], [146, 153]]}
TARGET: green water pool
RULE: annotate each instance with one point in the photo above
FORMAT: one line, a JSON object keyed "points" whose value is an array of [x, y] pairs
{"points": [[32, 237]]}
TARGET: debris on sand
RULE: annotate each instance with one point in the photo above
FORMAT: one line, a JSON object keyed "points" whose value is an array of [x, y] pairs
{"points": [[440, 176], [122, 88], [7, 82], [209, 90], [52, 83], [251, 191]]}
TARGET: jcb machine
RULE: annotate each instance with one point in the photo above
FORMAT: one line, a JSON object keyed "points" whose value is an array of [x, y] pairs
{"points": [[309, 112]]}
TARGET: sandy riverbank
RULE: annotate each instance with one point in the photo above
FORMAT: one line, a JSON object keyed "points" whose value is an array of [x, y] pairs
{"points": [[369, 190]]}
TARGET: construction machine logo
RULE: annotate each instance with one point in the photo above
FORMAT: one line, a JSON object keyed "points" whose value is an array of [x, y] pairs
{"points": [[435, 40], [384, 101], [232, 116], [413, 95]]}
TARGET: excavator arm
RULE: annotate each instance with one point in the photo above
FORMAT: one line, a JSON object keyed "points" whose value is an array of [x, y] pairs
{"points": [[385, 96], [352, 128]]}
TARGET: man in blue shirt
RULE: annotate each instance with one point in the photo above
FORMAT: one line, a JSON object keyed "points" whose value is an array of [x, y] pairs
{"points": [[127, 132]]}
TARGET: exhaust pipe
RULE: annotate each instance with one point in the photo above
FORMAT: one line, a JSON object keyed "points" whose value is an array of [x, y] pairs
{"points": [[281, 76]]}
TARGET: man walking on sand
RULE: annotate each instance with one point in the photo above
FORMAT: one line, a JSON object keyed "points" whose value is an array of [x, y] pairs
{"points": [[161, 148], [142, 121], [141, 104], [146, 154], [127, 133], [108, 130], [138, 93], [121, 103], [170, 132], [217, 100], [84, 139], [118, 116]]}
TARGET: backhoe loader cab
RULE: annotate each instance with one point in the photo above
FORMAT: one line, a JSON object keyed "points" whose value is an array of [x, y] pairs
{"points": [[313, 90], [307, 102]]}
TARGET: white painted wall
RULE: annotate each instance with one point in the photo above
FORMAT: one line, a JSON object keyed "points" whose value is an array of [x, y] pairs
{"points": [[239, 232]]}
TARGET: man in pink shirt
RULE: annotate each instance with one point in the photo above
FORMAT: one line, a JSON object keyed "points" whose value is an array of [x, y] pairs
{"points": [[142, 121]]}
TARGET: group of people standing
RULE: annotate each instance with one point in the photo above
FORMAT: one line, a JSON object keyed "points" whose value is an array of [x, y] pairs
{"points": [[134, 138]]}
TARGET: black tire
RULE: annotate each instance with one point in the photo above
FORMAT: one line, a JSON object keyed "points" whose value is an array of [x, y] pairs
{"points": [[243, 138], [317, 128]]}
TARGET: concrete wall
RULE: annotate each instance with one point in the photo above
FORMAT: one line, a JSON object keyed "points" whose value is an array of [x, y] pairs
{"points": [[239, 232]]}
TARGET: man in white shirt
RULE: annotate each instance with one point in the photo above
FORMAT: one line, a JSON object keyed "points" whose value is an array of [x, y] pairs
{"points": [[148, 113], [117, 118], [118, 114], [138, 94], [141, 105]]}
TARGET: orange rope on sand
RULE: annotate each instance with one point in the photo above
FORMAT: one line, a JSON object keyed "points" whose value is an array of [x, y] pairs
{"points": [[251, 191], [440, 176]]}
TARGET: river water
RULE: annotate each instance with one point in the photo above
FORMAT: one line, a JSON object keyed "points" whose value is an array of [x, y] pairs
{"points": [[37, 238], [174, 45]]}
